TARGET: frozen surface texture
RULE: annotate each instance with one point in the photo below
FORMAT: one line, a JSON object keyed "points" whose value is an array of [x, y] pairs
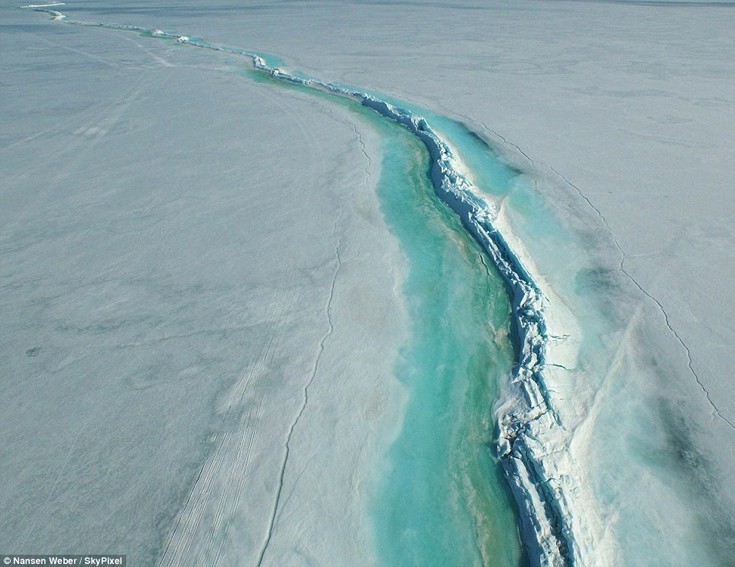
{"points": [[621, 113], [183, 253], [618, 113]]}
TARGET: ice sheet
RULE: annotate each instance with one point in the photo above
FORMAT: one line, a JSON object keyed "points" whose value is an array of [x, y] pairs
{"points": [[178, 244], [616, 111]]}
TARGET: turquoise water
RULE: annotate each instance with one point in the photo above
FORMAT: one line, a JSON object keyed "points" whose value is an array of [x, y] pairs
{"points": [[442, 499]]}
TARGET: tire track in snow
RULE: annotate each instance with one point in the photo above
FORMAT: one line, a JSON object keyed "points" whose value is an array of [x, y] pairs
{"points": [[219, 486]]}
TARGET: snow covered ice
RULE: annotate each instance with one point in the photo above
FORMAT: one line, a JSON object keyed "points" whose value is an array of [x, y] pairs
{"points": [[166, 291], [205, 302]]}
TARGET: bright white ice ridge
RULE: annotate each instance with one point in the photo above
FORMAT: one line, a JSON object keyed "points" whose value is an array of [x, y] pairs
{"points": [[532, 439]]}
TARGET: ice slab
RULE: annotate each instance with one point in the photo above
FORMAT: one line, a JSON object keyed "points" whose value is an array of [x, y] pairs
{"points": [[177, 243]]}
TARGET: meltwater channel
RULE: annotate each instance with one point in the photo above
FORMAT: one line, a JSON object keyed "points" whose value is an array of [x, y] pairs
{"points": [[477, 317], [443, 499]]}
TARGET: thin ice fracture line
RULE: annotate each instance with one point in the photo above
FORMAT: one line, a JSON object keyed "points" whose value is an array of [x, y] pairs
{"points": [[362, 147], [508, 142], [315, 370], [623, 257], [717, 411]]}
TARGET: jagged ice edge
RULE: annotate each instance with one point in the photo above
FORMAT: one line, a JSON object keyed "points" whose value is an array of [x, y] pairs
{"points": [[527, 416], [545, 515]]}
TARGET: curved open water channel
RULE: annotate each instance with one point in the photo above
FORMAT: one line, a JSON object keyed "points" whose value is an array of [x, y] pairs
{"points": [[476, 320], [524, 355], [443, 498]]}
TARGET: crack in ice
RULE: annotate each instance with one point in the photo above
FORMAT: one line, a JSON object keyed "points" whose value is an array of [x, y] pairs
{"points": [[315, 370], [623, 257], [547, 522], [509, 143], [363, 148]]}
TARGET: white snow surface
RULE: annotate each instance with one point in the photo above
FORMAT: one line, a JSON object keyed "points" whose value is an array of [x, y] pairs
{"points": [[184, 293], [621, 113]]}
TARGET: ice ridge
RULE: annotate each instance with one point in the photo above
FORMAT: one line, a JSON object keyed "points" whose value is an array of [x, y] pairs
{"points": [[527, 420], [529, 430], [528, 415]]}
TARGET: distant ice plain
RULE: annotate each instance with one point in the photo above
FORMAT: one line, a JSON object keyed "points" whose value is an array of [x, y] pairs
{"points": [[546, 79]]}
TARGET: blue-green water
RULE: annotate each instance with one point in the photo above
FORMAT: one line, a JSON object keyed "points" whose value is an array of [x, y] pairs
{"points": [[442, 499], [649, 444]]}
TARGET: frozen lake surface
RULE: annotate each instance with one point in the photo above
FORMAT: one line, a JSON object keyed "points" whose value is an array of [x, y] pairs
{"points": [[225, 338]]}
